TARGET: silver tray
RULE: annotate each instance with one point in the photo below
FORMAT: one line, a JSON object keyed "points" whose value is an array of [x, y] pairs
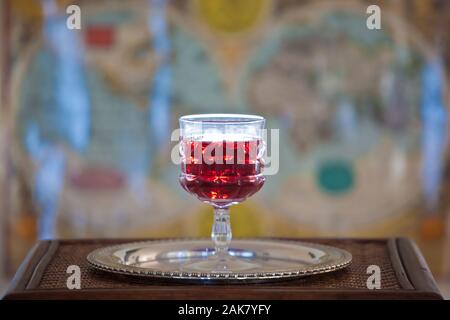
{"points": [[259, 260]]}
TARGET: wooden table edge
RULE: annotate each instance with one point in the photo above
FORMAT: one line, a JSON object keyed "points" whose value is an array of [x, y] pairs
{"points": [[410, 267], [416, 267], [31, 269], [167, 293]]}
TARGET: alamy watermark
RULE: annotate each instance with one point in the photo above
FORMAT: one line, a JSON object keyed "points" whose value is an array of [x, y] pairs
{"points": [[192, 150], [374, 280], [74, 280], [373, 21], [74, 19]]}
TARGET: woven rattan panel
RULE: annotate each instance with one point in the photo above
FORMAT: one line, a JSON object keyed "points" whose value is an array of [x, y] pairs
{"points": [[365, 253]]}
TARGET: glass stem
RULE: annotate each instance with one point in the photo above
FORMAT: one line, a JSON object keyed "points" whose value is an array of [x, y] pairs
{"points": [[221, 232]]}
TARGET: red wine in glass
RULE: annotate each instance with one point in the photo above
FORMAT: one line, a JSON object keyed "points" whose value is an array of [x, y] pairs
{"points": [[222, 172]]}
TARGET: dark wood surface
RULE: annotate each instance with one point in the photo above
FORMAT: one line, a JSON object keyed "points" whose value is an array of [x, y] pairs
{"points": [[412, 278]]}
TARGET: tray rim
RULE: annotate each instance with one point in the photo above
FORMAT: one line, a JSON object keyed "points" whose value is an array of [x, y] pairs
{"points": [[344, 261]]}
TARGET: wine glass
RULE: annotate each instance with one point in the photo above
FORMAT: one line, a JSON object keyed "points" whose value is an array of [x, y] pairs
{"points": [[222, 164]]}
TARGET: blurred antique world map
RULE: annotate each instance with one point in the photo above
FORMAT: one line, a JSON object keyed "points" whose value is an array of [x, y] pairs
{"points": [[93, 110]]}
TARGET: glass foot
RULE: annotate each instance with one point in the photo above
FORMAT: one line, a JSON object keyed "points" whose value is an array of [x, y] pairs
{"points": [[235, 261]]}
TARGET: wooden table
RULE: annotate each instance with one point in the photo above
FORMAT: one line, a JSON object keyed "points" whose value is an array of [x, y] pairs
{"points": [[404, 275]]}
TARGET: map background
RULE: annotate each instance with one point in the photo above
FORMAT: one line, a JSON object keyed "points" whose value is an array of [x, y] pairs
{"points": [[134, 191]]}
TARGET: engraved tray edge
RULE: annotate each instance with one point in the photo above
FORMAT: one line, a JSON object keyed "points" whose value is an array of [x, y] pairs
{"points": [[326, 267]]}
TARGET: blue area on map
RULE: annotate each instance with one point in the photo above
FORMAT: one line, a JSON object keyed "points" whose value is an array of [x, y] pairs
{"points": [[434, 117], [63, 116], [159, 100]]}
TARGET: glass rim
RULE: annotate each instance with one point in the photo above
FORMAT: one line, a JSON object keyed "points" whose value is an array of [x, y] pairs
{"points": [[228, 118]]}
